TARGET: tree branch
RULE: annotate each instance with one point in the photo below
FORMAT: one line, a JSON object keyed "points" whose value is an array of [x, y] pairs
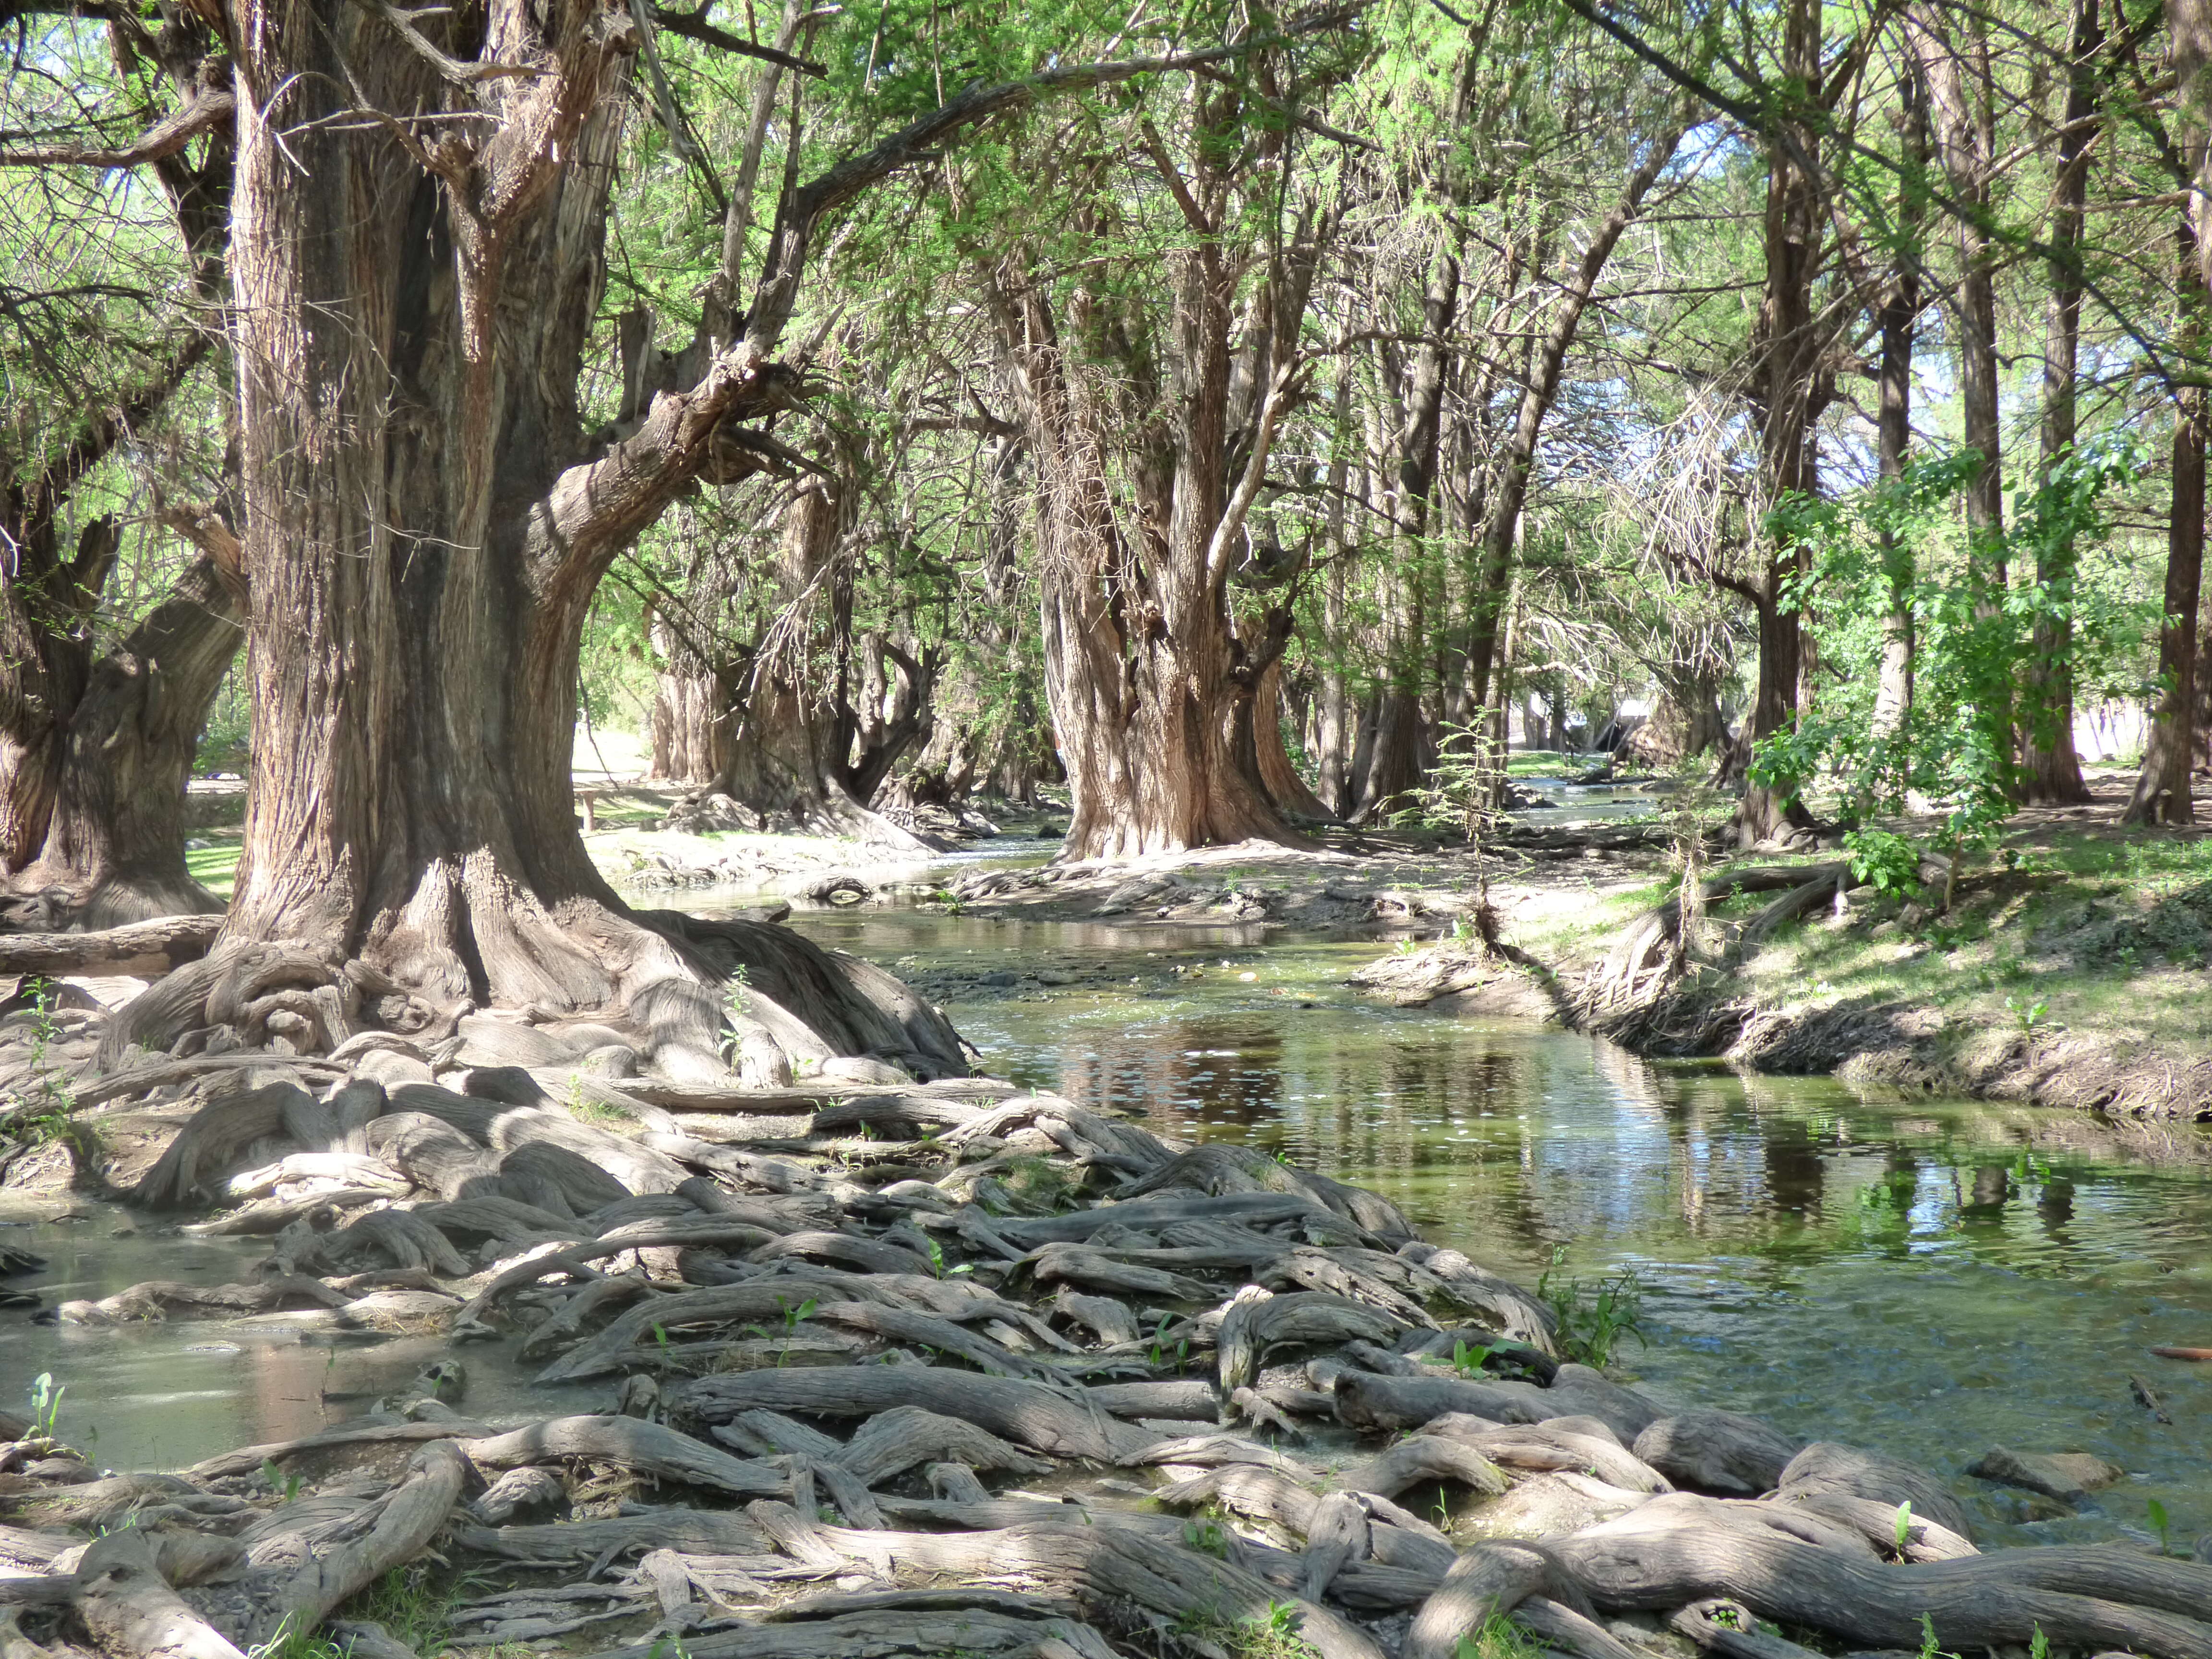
{"points": [[209, 106], [694, 26], [597, 508]]}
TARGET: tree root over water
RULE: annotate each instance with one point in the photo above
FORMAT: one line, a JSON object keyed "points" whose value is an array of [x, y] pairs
{"points": [[928, 1391]]}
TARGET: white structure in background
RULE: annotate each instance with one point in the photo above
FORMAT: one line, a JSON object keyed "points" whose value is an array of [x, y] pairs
{"points": [[2110, 731], [2103, 732]]}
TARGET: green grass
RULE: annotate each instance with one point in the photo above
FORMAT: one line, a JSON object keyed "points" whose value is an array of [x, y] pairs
{"points": [[2089, 930], [215, 867]]}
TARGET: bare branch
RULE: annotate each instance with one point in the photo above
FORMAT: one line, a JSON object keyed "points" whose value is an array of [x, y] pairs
{"points": [[211, 106], [694, 26]]}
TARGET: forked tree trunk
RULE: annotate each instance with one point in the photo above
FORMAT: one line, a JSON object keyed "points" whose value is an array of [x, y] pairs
{"points": [[800, 750], [426, 523], [96, 747], [1146, 659], [115, 840]]}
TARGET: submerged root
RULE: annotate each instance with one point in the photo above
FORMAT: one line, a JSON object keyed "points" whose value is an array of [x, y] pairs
{"points": [[830, 1364]]}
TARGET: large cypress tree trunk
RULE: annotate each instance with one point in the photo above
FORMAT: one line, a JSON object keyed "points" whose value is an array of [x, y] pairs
{"points": [[426, 522], [96, 746], [2162, 787], [115, 838], [2051, 770], [802, 752], [1147, 658]]}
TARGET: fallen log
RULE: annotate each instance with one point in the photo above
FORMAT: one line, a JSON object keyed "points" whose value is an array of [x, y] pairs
{"points": [[145, 950]]}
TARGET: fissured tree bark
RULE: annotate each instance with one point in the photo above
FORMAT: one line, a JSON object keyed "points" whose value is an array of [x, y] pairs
{"points": [[1789, 341], [1150, 659], [96, 744], [417, 244]]}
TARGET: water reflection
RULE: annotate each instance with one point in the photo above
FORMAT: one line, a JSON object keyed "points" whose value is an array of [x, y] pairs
{"points": [[1934, 1277], [1931, 1278]]}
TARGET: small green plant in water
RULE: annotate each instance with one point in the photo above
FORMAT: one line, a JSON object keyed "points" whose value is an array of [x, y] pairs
{"points": [[46, 1405], [2161, 1526], [1593, 1318]]}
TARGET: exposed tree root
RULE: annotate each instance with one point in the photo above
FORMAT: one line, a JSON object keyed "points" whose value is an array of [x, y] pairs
{"points": [[143, 948], [747, 1303]]}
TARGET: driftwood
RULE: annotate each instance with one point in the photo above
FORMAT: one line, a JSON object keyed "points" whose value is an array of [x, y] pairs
{"points": [[1057, 1422], [144, 949], [1720, 1452], [1682, 1548]]}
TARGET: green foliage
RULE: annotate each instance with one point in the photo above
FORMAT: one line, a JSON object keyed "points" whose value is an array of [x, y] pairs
{"points": [[1883, 860], [286, 1486], [46, 1405], [1206, 1536], [1593, 1317], [1461, 791], [1469, 1361], [2161, 1525], [1895, 544], [1499, 1637], [936, 1262], [41, 1109]]}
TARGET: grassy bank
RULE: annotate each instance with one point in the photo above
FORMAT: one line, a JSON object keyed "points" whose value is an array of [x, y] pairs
{"points": [[2074, 966]]}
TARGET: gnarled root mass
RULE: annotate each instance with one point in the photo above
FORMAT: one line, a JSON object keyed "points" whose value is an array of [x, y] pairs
{"points": [[734, 1001], [841, 1369]]}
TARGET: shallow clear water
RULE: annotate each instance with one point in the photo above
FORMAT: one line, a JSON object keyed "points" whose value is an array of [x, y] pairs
{"points": [[1929, 1278], [166, 1393]]}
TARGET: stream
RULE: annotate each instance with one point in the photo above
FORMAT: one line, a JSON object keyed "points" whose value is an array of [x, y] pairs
{"points": [[1929, 1278]]}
